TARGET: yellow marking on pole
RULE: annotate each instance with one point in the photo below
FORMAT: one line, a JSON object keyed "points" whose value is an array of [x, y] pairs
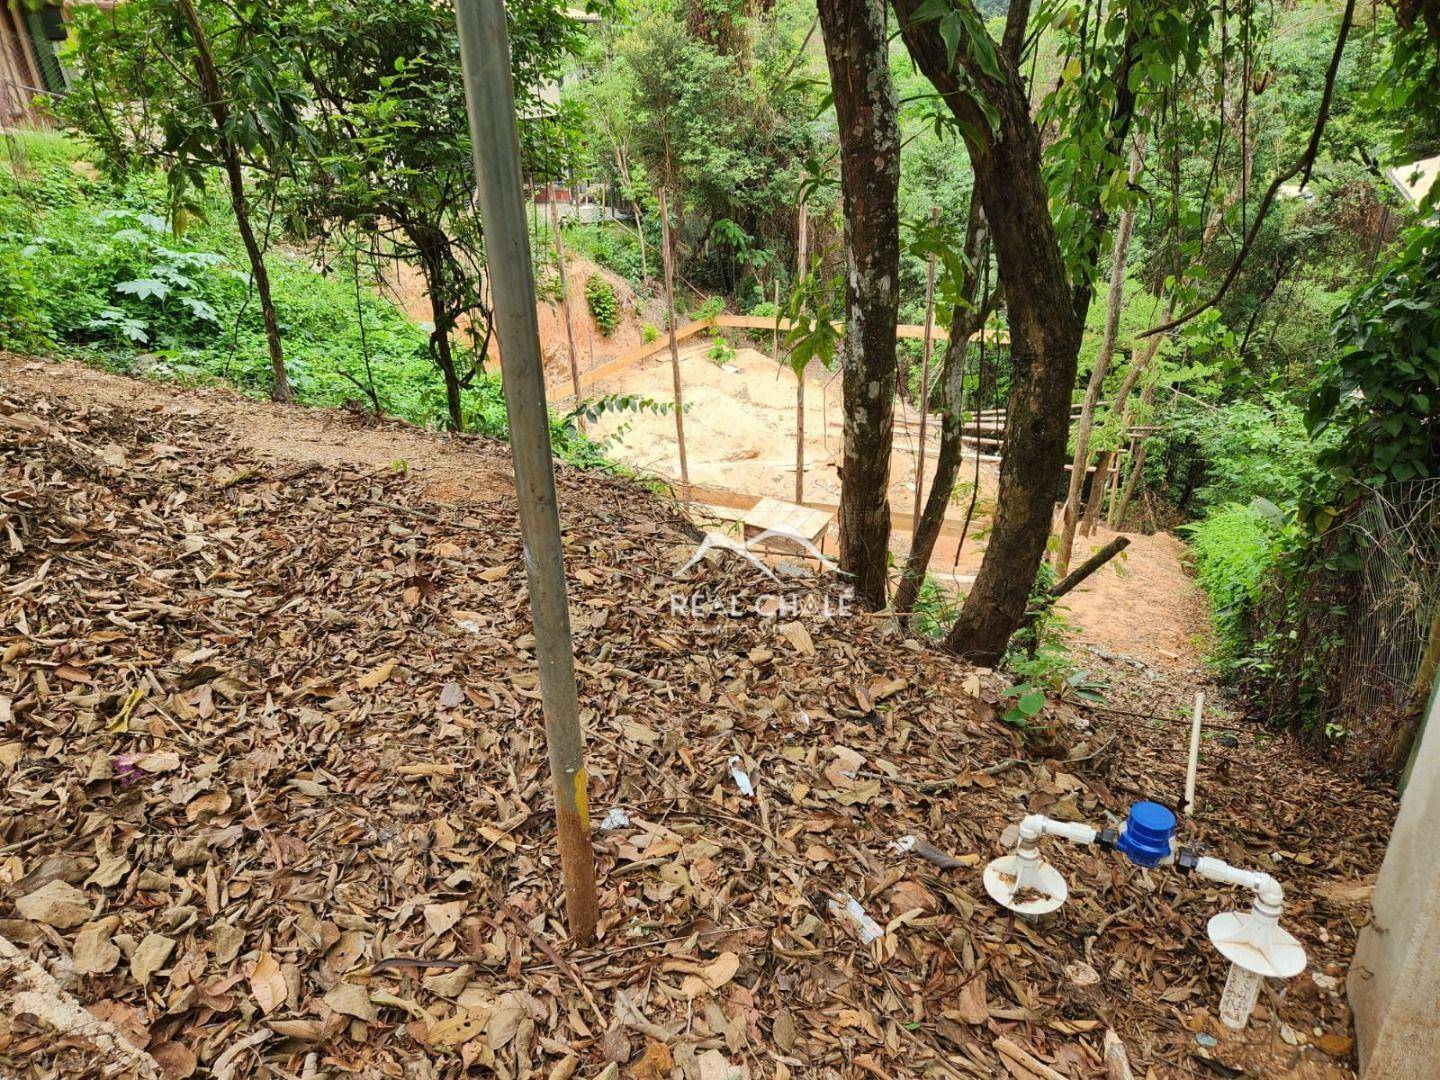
{"points": [[582, 798]]}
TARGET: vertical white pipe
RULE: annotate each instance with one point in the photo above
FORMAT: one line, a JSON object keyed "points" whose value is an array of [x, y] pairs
{"points": [[1194, 762]]}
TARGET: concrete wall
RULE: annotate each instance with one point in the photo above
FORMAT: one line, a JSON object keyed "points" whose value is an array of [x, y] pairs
{"points": [[1394, 981]]}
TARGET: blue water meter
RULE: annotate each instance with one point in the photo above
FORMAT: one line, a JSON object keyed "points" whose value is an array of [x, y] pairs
{"points": [[1148, 831]]}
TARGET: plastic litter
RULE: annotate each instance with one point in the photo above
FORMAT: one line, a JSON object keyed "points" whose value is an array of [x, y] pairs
{"points": [[866, 928], [616, 818], [927, 851], [742, 778]]}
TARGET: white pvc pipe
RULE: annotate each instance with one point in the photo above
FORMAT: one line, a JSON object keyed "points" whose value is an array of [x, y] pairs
{"points": [[1262, 884], [1037, 825], [1194, 762]]}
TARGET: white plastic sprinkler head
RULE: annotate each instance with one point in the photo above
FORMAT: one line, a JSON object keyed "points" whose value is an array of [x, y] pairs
{"points": [[1023, 882], [1258, 947]]}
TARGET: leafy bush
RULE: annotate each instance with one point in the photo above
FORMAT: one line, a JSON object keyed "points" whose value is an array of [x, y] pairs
{"points": [[650, 332], [610, 244], [1235, 548], [93, 270], [936, 608], [720, 352], [23, 323], [712, 306], [1248, 450], [604, 305], [1381, 396]]}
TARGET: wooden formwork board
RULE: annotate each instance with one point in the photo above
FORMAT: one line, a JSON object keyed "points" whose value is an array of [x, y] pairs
{"points": [[784, 520]]}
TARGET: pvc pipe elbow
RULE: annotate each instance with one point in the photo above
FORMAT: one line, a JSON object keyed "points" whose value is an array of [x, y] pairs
{"points": [[1034, 826], [1265, 887], [1074, 831]]}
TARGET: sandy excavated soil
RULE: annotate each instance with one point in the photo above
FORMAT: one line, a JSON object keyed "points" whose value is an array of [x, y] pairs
{"points": [[740, 426], [740, 436]]}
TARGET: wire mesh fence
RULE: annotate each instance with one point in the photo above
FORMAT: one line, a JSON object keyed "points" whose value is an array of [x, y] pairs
{"points": [[1391, 622], [1346, 627]]}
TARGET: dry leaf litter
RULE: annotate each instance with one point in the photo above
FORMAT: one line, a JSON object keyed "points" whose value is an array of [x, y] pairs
{"points": [[277, 805]]}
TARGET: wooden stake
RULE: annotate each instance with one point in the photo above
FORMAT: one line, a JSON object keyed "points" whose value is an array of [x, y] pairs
{"points": [[775, 336], [800, 243], [668, 257], [925, 368], [1193, 765], [565, 298]]}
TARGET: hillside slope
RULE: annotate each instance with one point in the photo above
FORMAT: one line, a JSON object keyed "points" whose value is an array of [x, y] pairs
{"points": [[276, 786]]}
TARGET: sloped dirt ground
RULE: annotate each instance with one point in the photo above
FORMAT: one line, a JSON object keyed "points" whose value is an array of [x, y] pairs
{"points": [[272, 748]]}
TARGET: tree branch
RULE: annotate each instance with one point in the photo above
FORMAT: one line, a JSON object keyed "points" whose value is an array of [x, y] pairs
{"points": [[1303, 164]]}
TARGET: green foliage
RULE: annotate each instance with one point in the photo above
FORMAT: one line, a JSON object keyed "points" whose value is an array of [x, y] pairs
{"points": [[1235, 548], [720, 352], [814, 332], [610, 244], [650, 332], [144, 103], [97, 271], [603, 303], [1381, 395], [1249, 449], [711, 101], [23, 323], [1029, 703], [936, 608], [592, 410]]}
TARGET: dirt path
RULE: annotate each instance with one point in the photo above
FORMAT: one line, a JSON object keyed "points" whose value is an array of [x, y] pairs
{"points": [[451, 467]]}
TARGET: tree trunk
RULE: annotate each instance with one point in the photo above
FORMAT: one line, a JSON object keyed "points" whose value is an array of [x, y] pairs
{"points": [[928, 523], [640, 235], [220, 113], [667, 255], [565, 302], [1122, 402], [1098, 487], [1044, 329], [856, 50], [1086, 423], [430, 250]]}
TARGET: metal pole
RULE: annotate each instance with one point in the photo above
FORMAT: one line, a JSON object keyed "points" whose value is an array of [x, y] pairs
{"points": [[801, 241], [489, 97]]}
